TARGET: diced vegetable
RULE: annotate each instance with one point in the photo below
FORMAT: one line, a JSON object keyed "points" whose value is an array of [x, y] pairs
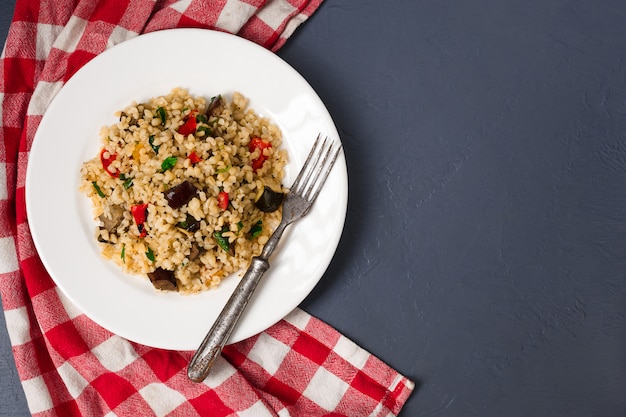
{"points": [[189, 127], [154, 147], [107, 161], [168, 163], [223, 242], [207, 130], [255, 231], [222, 200], [97, 188], [180, 194], [128, 182], [258, 143], [190, 224], [215, 106], [150, 254], [162, 115], [137, 151], [162, 279], [113, 220], [268, 200], [194, 158], [140, 214]]}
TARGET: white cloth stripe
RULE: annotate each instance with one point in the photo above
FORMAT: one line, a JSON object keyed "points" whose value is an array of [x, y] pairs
{"points": [[37, 395], [18, 325], [42, 96], [293, 24], [298, 318], [73, 380], [46, 35], [268, 352], [274, 12], [234, 15], [162, 399], [4, 194], [70, 36], [8, 255]]}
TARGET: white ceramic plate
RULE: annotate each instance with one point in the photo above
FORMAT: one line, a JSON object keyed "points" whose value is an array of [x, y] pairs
{"points": [[207, 63]]}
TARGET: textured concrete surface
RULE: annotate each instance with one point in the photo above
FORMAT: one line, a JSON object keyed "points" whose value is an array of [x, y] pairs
{"points": [[484, 252]]}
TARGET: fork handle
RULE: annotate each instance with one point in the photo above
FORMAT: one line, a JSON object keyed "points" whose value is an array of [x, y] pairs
{"points": [[211, 347]]}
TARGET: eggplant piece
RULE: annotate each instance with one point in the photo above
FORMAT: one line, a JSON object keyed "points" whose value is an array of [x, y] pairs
{"points": [[180, 195], [268, 200], [110, 224], [215, 106], [162, 279], [190, 224], [195, 251]]}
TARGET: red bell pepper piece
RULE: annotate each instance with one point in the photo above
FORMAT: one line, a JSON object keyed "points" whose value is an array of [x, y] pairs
{"points": [[194, 158], [190, 125], [140, 213], [258, 143], [222, 200], [106, 162]]}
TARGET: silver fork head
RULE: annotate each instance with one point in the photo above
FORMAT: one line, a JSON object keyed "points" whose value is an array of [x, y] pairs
{"points": [[311, 177], [316, 168]]}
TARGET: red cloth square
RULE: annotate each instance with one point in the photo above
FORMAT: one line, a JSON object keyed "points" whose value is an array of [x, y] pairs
{"points": [[165, 364], [27, 11], [113, 388], [39, 280], [283, 392], [210, 404], [23, 48], [109, 13], [22, 72], [53, 12], [66, 340], [311, 348]]}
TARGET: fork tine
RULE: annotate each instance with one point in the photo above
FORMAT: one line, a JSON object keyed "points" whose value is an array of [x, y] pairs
{"points": [[296, 184], [316, 167], [318, 181]]}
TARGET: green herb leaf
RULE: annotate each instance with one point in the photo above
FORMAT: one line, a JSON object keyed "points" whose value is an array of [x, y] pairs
{"points": [[221, 241], [162, 115], [256, 230], [239, 226], [150, 254], [168, 163], [97, 188], [201, 118], [154, 147], [207, 130], [128, 182], [223, 170], [123, 255]]}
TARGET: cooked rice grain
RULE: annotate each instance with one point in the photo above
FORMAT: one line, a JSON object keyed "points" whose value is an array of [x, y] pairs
{"points": [[138, 148]]}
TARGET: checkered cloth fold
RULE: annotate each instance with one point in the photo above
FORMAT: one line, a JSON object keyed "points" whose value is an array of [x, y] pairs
{"points": [[70, 366]]}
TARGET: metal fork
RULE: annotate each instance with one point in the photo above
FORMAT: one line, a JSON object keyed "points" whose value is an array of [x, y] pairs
{"points": [[297, 203]]}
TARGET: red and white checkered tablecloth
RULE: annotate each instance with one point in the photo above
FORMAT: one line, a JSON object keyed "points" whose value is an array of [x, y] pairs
{"points": [[68, 365]]}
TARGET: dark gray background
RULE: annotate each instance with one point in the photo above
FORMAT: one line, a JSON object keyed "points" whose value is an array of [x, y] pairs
{"points": [[484, 252]]}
